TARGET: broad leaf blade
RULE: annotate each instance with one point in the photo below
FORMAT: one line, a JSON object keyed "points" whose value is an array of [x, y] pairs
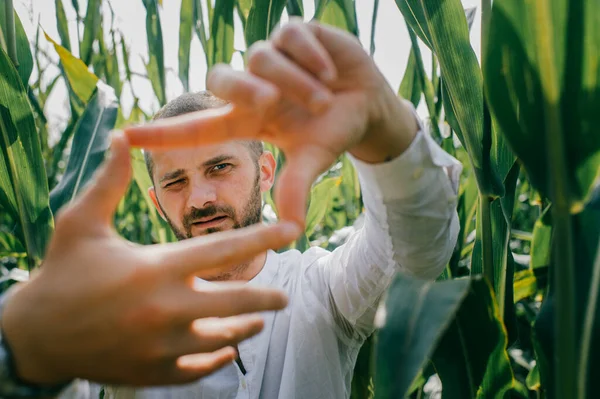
{"points": [[186, 26], [90, 142], [443, 27], [411, 87], [471, 359], [81, 81], [220, 44], [62, 25], [320, 197], [517, 93], [156, 62], [143, 181], [23, 48], [91, 23], [262, 18], [339, 13], [23, 182]]}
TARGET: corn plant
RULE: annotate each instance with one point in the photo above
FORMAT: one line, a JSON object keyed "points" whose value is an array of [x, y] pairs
{"points": [[515, 313]]}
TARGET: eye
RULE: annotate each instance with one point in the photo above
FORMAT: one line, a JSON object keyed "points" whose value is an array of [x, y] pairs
{"points": [[220, 167], [173, 183]]}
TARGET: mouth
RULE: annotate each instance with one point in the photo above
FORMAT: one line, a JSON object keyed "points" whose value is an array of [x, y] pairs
{"points": [[206, 223]]}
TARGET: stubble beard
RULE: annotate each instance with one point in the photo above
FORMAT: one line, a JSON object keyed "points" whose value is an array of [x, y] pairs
{"points": [[251, 214]]}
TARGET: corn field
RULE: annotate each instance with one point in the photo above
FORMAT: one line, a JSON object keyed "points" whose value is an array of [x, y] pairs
{"points": [[516, 312]]}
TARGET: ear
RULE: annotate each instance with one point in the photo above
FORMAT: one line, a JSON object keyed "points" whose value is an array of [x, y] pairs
{"points": [[267, 166], [152, 194]]}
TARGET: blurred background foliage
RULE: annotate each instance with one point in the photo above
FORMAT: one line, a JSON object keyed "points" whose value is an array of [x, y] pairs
{"points": [[515, 312]]}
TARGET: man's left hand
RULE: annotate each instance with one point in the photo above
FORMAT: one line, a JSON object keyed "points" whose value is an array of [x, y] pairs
{"points": [[311, 90]]}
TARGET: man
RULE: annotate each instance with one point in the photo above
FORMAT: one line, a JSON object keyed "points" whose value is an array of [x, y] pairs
{"points": [[315, 93]]}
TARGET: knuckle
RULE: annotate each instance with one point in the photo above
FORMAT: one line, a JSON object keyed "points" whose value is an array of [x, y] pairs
{"points": [[290, 33], [66, 218], [259, 54]]}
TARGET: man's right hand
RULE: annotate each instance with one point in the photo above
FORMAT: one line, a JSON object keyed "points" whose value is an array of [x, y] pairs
{"points": [[104, 309]]}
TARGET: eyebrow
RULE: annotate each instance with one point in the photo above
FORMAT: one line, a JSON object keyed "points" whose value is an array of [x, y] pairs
{"points": [[172, 175], [211, 162], [217, 160]]}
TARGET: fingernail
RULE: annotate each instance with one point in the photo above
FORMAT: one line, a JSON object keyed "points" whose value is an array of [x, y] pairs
{"points": [[319, 102]]}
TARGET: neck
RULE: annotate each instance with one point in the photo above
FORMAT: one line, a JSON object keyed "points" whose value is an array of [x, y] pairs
{"points": [[242, 272]]}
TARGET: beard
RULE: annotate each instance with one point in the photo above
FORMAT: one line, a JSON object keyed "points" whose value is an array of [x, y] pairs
{"points": [[250, 214]]}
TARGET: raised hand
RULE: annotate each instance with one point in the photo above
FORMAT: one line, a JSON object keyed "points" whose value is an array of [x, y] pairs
{"points": [[104, 309], [311, 90]]}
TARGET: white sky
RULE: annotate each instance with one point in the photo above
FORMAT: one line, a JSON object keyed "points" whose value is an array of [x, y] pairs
{"points": [[391, 41]]}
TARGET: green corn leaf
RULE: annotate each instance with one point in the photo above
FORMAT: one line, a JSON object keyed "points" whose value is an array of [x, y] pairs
{"points": [[62, 25], [501, 211], [125, 54], [339, 13], [586, 229], [92, 24], [23, 48], [143, 181], [456, 324], [542, 239], [443, 27], [320, 198], [243, 9], [533, 379], [220, 44], [90, 142], [81, 81], [471, 358], [295, 8], [156, 64], [525, 285], [186, 26], [200, 28], [262, 18], [523, 102], [411, 87], [23, 182]]}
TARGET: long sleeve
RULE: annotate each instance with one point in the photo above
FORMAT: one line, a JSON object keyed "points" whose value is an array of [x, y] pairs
{"points": [[410, 226]]}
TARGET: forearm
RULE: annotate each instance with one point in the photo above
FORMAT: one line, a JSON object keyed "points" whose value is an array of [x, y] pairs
{"points": [[410, 225]]}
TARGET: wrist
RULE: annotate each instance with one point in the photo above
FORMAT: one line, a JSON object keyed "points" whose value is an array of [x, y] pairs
{"points": [[391, 128], [26, 349]]}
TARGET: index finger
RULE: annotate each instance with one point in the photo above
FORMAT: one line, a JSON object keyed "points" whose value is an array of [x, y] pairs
{"points": [[190, 129], [226, 249]]}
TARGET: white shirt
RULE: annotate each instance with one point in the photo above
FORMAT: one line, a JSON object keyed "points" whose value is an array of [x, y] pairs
{"points": [[309, 349]]}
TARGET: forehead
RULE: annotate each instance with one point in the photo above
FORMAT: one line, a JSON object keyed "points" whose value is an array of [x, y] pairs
{"points": [[186, 158]]}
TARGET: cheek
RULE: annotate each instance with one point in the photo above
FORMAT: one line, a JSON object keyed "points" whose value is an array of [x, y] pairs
{"points": [[237, 190], [173, 204]]}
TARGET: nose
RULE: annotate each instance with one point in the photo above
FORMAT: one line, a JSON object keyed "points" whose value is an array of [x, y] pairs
{"points": [[201, 195]]}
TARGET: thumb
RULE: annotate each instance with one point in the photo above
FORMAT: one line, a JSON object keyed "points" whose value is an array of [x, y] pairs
{"points": [[103, 194], [293, 186]]}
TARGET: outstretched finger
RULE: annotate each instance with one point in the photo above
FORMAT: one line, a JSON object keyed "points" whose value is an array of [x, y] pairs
{"points": [[190, 368], [204, 127], [100, 199], [229, 299], [211, 334], [224, 249]]}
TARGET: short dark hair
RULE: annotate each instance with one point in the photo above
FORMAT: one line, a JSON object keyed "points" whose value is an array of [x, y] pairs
{"points": [[192, 102]]}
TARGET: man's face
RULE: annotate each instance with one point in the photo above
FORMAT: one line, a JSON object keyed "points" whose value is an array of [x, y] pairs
{"points": [[210, 188]]}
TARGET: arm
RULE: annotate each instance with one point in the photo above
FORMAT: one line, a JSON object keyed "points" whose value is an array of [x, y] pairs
{"points": [[410, 226]]}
